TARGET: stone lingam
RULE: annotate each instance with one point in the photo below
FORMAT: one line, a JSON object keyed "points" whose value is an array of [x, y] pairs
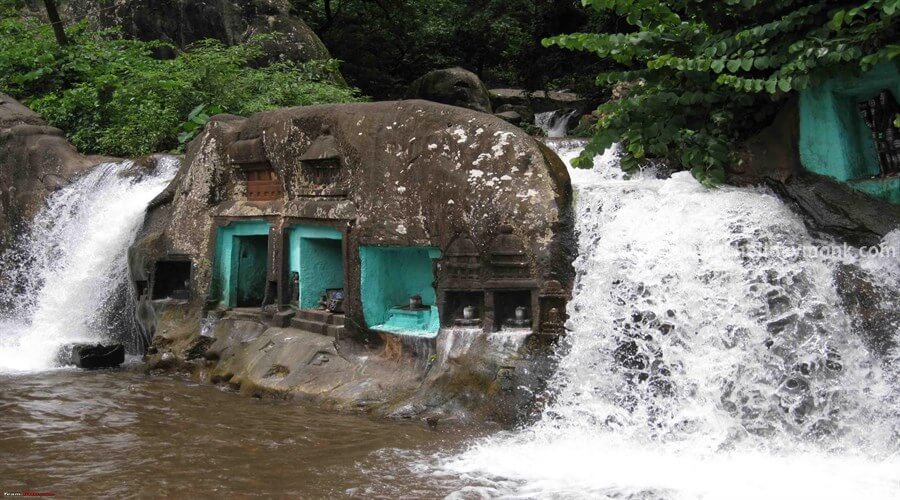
{"points": [[415, 304], [469, 317], [520, 320]]}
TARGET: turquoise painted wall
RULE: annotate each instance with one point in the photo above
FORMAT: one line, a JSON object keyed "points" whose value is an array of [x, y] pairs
{"points": [[834, 140], [390, 275], [887, 189], [226, 262], [251, 269], [316, 253]]}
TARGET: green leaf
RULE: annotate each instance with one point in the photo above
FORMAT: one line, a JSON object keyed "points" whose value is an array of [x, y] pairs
{"points": [[196, 111], [837, 21], [734, 65], [784, 84]]}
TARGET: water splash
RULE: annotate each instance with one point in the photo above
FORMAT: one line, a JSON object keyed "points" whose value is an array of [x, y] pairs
{"points": [[711, 355], [66, 271], [555, 124]]}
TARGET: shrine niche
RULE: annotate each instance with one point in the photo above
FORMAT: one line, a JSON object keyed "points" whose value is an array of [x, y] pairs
{"points": [[553, 308], [847, 130], [463, 261], [262, 183], [508, 258], [172, 278], [321, 168]]}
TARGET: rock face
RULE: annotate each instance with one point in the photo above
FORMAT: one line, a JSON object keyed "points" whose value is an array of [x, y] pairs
{"points": [[182, 22], [554, 112], [457, 207], [539, 101], [773, 157], [453, 86], [835, 208], [35, 160]]}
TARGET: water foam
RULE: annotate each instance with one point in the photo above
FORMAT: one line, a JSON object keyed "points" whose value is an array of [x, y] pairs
{"points": [[66, 270], [706, 358]]}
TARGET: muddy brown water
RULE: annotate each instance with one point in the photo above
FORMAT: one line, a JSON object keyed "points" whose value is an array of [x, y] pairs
{"points": [[127, 434]]}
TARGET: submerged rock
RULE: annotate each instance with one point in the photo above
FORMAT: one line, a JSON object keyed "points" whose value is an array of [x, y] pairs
{"points": [[92, 356]]}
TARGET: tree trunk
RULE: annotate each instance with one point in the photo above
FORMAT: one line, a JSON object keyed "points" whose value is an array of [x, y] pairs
{"points": [[56, 22]]}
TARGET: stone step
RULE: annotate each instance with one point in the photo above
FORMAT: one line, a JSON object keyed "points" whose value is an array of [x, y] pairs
{"points": [[336, 331], [321, 316], [309, 326], [249, 314]]}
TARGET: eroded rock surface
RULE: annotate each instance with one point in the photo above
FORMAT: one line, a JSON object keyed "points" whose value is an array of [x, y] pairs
{"points": [[35, 160], [491, 204]]}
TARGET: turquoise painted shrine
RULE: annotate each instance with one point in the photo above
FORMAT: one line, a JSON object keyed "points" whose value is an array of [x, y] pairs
{"points": [[389, 276], [836, 141], [242, 263], [316, 255]]}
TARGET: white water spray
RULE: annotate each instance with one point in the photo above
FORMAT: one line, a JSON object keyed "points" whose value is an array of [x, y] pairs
{"points": [[555, 124], [69, 266], [708, 357]]}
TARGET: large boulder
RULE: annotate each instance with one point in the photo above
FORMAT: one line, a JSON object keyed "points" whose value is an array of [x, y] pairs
{"points": [[182, 22], [453, 86], [491, 205], [35, 160]]}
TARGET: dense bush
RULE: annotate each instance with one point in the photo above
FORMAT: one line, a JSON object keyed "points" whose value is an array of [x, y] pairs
{"points": [[702, 75], [111, 95]]}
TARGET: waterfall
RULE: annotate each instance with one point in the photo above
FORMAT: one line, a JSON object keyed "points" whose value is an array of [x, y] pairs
{"points": [[62, 277], [555, 124], [710, 354]]}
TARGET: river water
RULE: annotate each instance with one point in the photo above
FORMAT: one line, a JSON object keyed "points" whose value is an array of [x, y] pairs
{"points": [[121, 433], [711, 355]]}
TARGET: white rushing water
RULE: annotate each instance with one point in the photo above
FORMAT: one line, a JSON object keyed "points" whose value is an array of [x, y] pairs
{"points": [[554, 123], [71, 263], [709, 356]]}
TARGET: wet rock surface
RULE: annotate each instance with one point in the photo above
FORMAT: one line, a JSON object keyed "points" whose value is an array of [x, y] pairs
{"points": [[460, 376], [92, 356], [835, 208]]}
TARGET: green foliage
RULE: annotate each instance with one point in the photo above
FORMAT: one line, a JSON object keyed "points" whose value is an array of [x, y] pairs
{"points": [[196, 120], [112, 96], [703, 75]]}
